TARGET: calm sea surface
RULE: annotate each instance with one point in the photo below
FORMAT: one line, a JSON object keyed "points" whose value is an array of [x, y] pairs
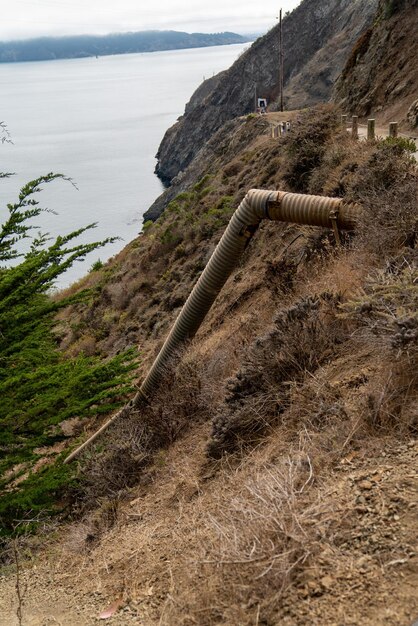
{"points": [[98, 121]]}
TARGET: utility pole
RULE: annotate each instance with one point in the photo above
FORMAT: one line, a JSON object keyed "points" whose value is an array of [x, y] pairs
{"points": [[281, 63]]}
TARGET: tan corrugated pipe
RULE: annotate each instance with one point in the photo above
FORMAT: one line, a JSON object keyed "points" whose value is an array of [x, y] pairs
{"points": [[257, 205]]}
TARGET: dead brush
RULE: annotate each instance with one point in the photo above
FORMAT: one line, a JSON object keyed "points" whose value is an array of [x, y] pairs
{"points": [[315, 404], [341, 159], [386, 312], [305, 146], [267, 525], [303, 337], [115, 466], [386, 187], [263, 531], [391, 399], [387, 307], [118, 464], [180, 400]]}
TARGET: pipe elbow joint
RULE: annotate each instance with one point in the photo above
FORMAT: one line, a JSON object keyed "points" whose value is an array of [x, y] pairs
{"points": [[254, 207]]}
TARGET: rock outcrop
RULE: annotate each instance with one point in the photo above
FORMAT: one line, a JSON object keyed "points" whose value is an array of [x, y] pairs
{"points": [[412, 115], [318, 38], [381, 74], [232, 138]]}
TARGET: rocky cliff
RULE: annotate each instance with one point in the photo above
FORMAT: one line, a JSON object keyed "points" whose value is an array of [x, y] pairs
{"points": [[381, 74], [318, 38]]}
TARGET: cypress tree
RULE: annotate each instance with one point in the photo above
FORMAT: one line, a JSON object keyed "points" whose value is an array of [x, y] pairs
{"points": [[39, 386]]}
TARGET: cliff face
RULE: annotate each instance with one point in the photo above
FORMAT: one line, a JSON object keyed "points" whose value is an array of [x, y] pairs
{"points": [[229, 140], [381, 74], [318, 38]]}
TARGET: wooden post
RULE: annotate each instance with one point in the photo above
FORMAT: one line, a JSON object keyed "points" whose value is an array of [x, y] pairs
{"points": [[371, 124], [393, 129], [354, 127], [344, 121]]}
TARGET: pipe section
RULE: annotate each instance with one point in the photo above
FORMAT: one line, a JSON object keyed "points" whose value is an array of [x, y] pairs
{"points": [[222, 262], [257, 205]]}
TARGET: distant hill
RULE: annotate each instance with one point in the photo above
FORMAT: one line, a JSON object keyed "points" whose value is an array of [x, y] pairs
{"points": [[79, 46]]}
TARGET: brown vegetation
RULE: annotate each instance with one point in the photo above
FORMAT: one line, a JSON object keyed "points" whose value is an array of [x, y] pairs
{"points": [[301, 382]]}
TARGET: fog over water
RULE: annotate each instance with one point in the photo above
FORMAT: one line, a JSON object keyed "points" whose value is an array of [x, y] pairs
{"points": [[98, 121]]}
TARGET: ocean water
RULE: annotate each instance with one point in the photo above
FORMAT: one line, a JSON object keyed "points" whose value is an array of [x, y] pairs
{"points": [[99, 122]]}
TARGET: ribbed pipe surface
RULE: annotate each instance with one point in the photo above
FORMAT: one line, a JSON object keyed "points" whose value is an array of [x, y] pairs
{"points": [[257, 205], [222, 262], [297, 208]]}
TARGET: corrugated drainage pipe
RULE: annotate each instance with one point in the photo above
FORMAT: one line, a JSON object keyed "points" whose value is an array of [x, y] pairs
{"points": [[257, 205]]}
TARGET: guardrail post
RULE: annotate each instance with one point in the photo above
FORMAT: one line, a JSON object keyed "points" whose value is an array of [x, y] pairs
{"points": [[354, 127], [393, 129], [344, 121], [371, 124]]}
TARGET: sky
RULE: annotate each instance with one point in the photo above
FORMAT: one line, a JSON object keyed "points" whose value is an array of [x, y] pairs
{"points": [[21, 19]]}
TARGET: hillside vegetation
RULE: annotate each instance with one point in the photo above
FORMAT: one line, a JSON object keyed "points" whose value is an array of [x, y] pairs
{"points": [[270, 480]]}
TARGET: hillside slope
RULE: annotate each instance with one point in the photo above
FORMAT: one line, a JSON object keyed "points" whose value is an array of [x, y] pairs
{"points": [[381, 75], [318, 38], [271, 479]]}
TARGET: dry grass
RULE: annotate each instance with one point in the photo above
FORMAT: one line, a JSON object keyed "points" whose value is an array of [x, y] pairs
{"points": [[254, 535], [130, 447], [267, 525], [386, 186], [229, 541], [386, 316]]}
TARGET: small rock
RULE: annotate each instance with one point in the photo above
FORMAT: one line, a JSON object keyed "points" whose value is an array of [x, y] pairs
{"points": [[327, 582], [364, 561], [365, 484]]}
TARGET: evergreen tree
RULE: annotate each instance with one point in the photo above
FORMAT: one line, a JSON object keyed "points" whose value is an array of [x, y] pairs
{"points": [[39, 386]]}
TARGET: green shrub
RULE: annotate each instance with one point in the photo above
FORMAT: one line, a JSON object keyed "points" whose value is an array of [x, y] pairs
{"points": [[403, 143], [96, 266], [200, 185], [147, 225]]}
